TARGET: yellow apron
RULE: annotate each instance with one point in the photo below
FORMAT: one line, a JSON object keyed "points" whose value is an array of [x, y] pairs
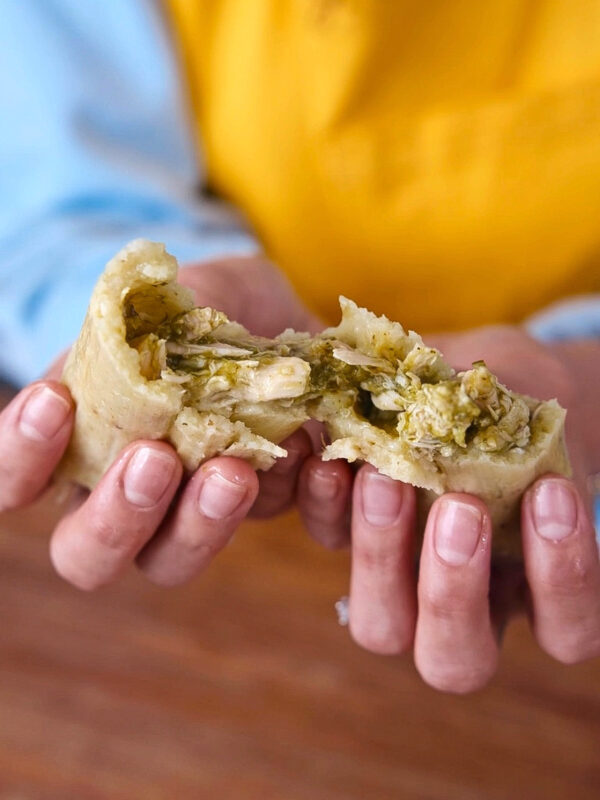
{"points": [[437, 161]]}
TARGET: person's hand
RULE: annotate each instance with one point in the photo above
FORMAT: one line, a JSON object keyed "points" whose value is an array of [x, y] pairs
{"points": [[141, 511], [453, 613]]}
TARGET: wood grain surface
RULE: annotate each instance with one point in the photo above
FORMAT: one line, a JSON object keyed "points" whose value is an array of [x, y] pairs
{"points": [[242, 685]]}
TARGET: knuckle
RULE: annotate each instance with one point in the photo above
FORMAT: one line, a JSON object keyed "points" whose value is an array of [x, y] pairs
{"points": [[568, 577], [196, 544], [174, 568], [202, 552], [445, 605], [113, 528], [378, 559], [111, 535]]}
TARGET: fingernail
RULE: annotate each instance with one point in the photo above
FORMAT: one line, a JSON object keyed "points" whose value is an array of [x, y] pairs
{"points": [[43, 415], [322, 485], [457, 532], [381, 499], [147, 477], [554, 510], [220, 497]]}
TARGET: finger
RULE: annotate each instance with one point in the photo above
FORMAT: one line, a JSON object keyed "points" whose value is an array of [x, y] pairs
{"points": [[277, 486], [210, 508], [563, 570], [324, 495], [34, 432], [317, 433], [55, 370], [94, 544], [382, 605], [455, 644]]}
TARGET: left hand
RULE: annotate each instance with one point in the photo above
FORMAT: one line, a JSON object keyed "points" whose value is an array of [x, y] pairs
{"points": [[142, 512], [455, 612]]}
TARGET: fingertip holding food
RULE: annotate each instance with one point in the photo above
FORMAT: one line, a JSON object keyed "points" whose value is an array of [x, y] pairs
{"points": [[563, 570], [554, 509], [148, 475], [457, 531], [382, 498], [44, 414], [324, 497], [323, 485], [220, 497]]}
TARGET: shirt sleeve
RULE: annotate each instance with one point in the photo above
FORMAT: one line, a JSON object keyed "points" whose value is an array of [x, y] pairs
{"points": [[95, 150], [574, 318]]}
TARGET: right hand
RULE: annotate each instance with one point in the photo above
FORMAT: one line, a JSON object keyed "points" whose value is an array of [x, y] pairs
{"points": [[141, 511], [453, 612]]}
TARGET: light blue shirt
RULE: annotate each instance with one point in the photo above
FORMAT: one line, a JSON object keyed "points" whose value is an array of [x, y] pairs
{"points": [[95, 150]]}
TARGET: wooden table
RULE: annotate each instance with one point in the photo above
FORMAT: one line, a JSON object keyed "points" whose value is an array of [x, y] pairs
{"points": [[242, 685]]}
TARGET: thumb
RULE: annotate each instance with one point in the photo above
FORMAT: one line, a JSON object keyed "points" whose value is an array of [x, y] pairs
{"points": [[252, 291]]}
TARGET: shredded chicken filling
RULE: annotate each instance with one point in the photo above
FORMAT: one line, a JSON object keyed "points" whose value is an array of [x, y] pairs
{"points": [[416, 397]]}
